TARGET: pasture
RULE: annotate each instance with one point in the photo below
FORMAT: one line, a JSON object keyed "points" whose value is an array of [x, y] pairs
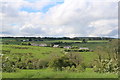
{"points": [[48, 73], [35, 61]]}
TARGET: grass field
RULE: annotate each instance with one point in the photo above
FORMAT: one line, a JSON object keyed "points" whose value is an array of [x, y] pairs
{"points": [[48, 73], [47, 53], [37, 52], [89, 44], [68, 41]]}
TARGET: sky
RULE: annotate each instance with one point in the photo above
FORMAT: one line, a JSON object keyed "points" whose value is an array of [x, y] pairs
{"points": [[59, 18]]}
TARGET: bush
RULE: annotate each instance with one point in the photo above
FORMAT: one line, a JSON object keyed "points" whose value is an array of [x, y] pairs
{"points": [[75, 47], [8, 66], [107, 58], [43, 64], [79, 68], [106, 65], [76, 50], [61, 62], [70, 61]]}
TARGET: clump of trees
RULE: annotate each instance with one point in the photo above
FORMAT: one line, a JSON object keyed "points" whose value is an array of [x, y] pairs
{"points": [[16, 61], [26, 43], [107, 58], [68, 62]]}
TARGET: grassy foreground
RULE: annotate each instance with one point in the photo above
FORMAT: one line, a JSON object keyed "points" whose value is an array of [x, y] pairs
{"points": [[48, 73]]}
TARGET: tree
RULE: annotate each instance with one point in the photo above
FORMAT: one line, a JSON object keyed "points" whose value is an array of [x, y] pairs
{"points": [[84, 41]]}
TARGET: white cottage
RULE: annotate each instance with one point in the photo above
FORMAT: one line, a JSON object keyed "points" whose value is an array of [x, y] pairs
{"points": [[56, 46], [67, 47], [43, 45], [84, 48]]}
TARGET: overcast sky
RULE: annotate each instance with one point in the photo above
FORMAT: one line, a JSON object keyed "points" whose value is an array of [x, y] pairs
{"points": [[59, 18]]}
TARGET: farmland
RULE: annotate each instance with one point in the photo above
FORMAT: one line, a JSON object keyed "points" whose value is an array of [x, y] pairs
{"points": [[28, 61], [47, 73]]}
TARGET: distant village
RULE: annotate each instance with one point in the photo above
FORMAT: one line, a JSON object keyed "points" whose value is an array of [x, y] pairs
{"points": [[67, 48]]}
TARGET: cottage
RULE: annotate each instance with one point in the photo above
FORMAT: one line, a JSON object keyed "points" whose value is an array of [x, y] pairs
{"points": [[43, 45], [84, 48], [33, 44], [56, 46], [67, 47], [25, 40]]}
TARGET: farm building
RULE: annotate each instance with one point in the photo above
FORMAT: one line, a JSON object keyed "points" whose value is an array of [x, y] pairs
{"points": [[56, 46], [67, 47], [33, 44], [25, 40], [43, 45], [84, 48]]}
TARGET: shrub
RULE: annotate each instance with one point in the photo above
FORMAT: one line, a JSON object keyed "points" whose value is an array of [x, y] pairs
{"points": [[107, 58], [79, 68], [58, 63], [70, 61], [8, 66], [43, 64], [106, 65]]}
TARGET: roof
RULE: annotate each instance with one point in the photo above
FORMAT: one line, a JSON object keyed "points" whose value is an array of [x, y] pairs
{"points": [[67, 46], [55, 45], [38, 44], [83, 48]]}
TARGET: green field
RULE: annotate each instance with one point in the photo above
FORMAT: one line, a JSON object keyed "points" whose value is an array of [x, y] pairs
{"points": [[24, 55], [37, 52], [48, 73], [45, 52], [75, 41]]}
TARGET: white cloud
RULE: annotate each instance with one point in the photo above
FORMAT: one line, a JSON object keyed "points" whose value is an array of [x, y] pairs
{"points": [[72, 18], [80, 16], [104, 27]]}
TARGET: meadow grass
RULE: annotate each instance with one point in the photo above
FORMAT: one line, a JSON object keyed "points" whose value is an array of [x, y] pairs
{"points": [[49, 73], [47, 52], [88, 57], [37, 51]]}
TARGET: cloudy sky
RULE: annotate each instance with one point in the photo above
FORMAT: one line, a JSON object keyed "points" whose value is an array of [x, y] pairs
{"points": [[59, 18]]}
